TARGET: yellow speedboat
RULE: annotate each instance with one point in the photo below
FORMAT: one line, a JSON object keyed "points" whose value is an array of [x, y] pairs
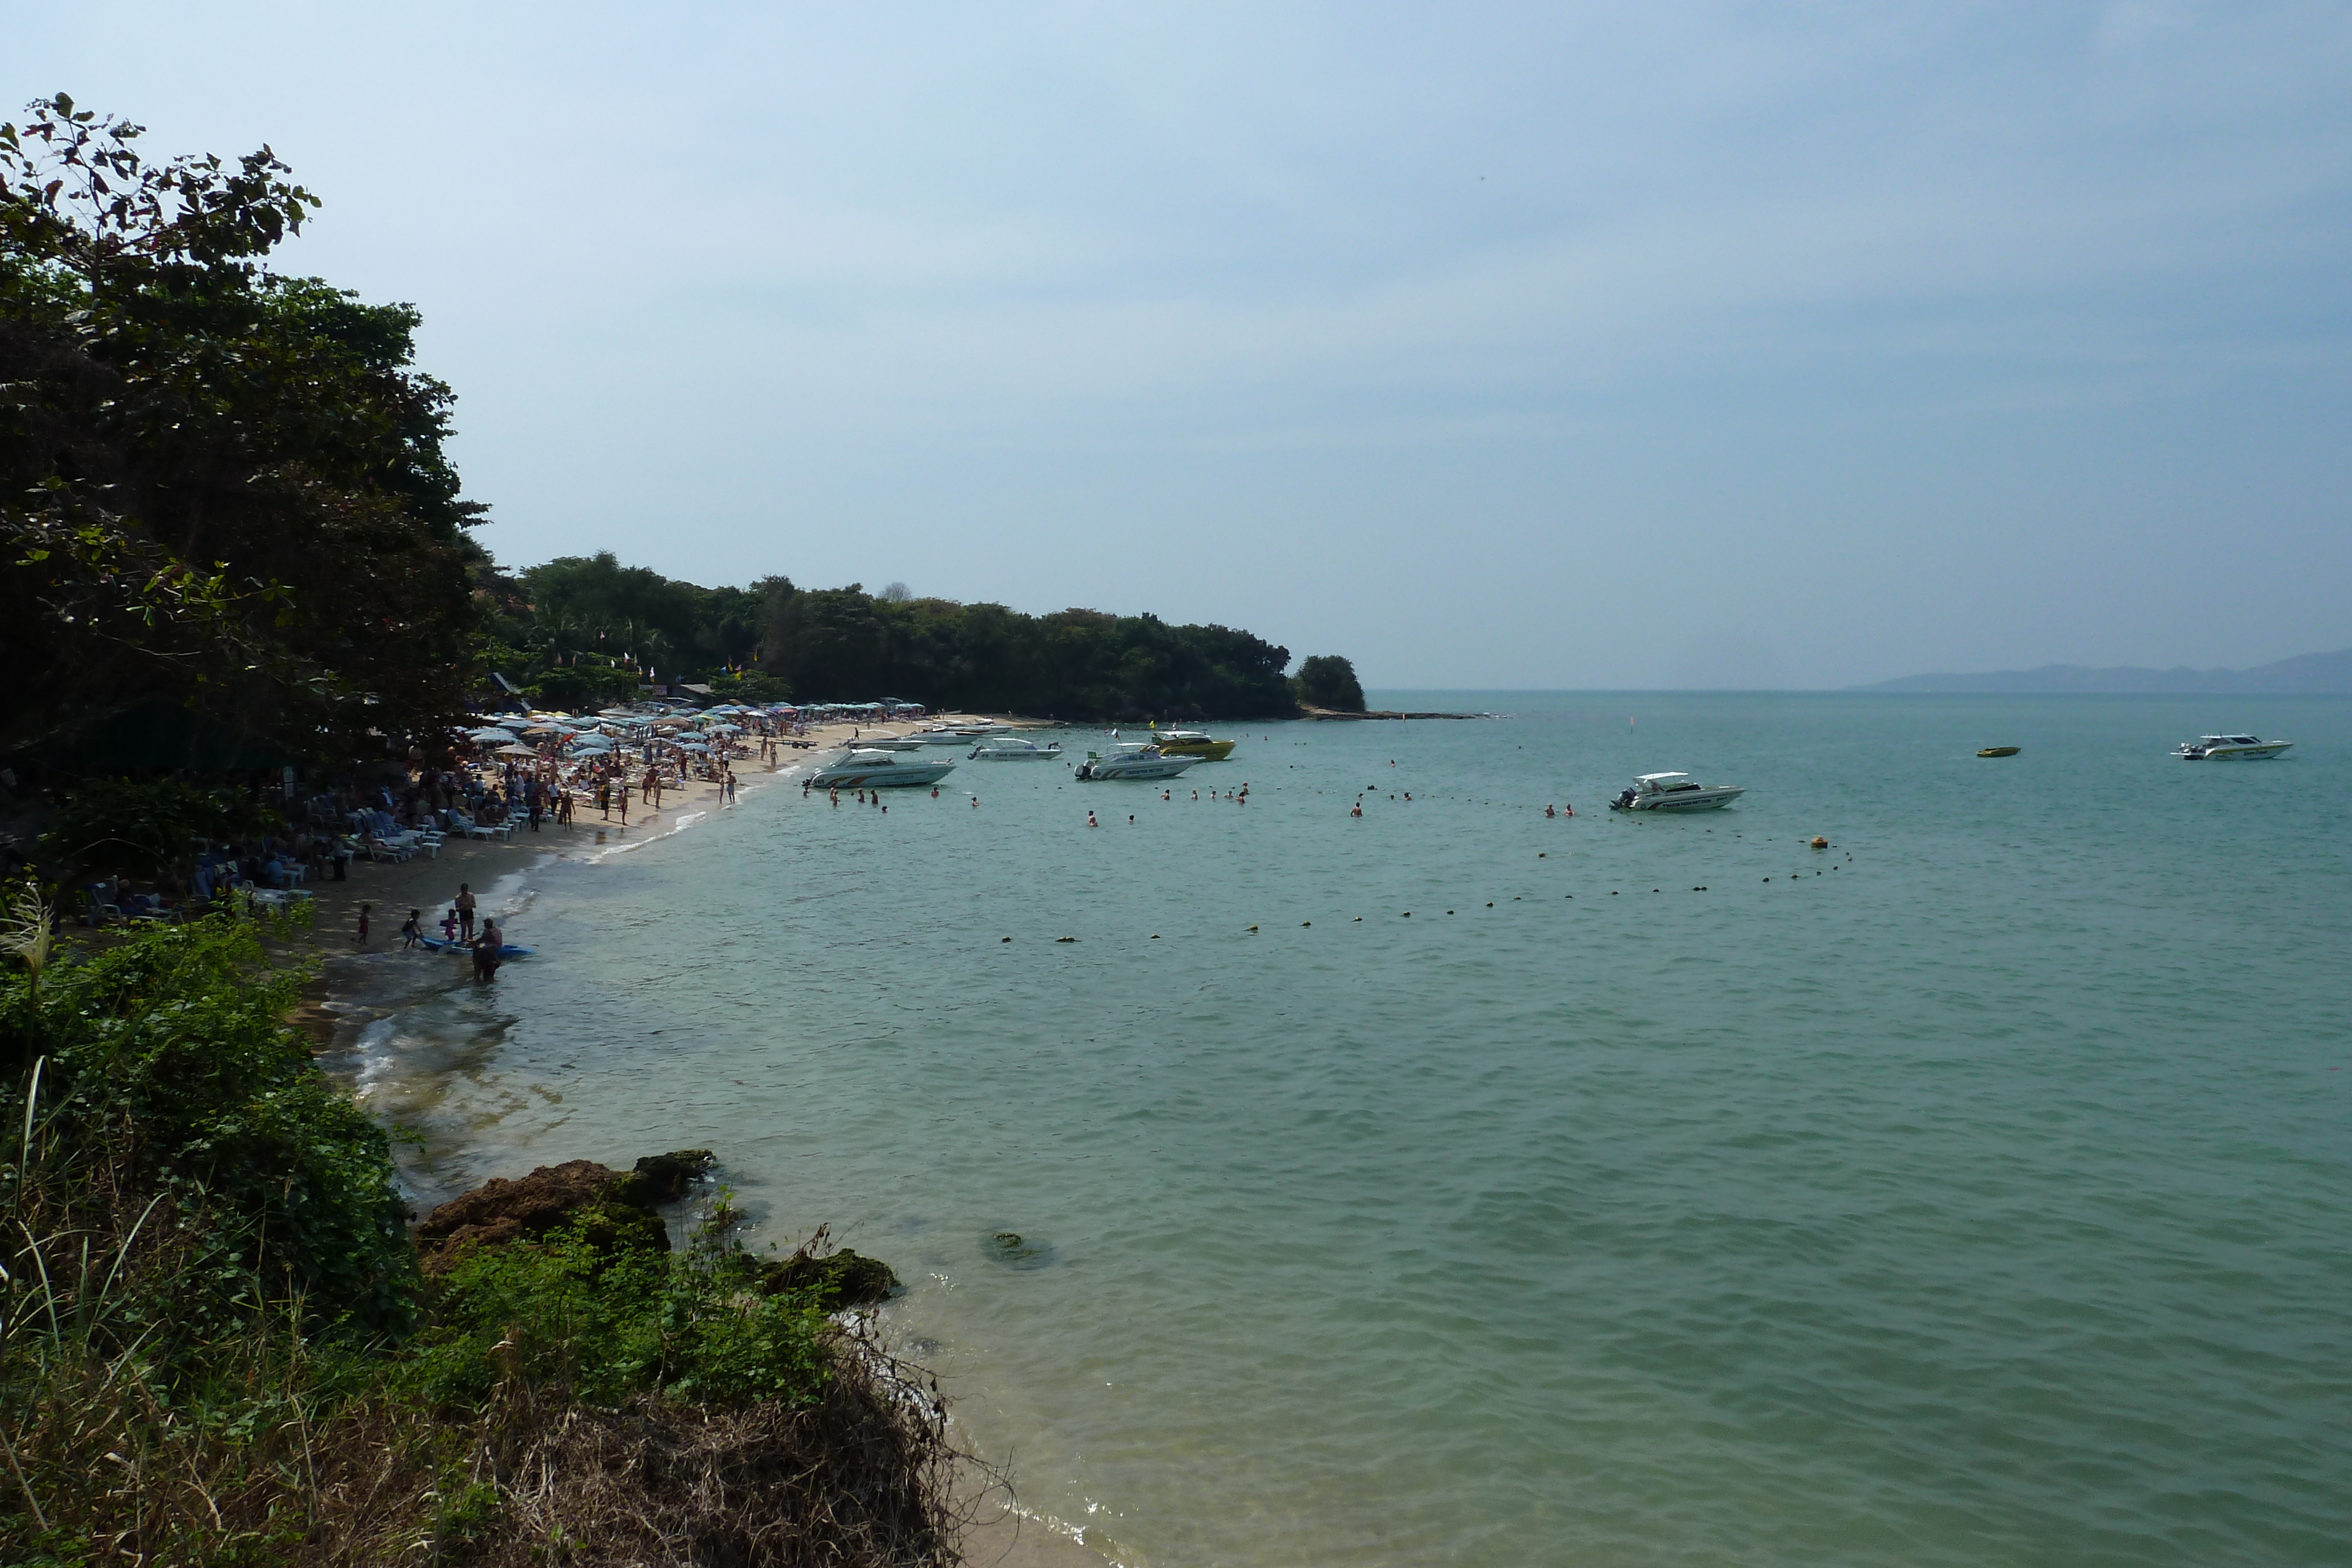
{"points": [[1191, 743]]}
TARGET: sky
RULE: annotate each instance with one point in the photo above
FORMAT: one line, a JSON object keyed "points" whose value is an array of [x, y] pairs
{"points": [[1684, 345]]}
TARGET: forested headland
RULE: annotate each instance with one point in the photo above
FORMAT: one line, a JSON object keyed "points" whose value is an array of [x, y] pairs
{"points": [[580, 629]]}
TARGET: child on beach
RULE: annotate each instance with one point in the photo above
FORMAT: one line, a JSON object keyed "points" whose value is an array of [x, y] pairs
{"points": [[448, 926], [363, 925], [411, 930]]}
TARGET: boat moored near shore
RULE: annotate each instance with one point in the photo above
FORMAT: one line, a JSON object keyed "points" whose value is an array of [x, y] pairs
{"points": [[878, 771], [1191, 743], [1133, 761]]}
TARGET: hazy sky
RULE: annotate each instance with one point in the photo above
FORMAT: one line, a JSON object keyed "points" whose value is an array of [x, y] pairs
{"points": [[1546, 345]]}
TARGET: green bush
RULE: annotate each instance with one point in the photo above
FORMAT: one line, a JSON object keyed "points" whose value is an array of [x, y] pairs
{"points": [[166, 1061], [602, 1323]]}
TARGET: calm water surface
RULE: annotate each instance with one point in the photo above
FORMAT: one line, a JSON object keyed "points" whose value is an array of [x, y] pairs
{"points": [[1975, 1191]]}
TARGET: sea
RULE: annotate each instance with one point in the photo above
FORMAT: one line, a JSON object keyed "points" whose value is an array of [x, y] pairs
{"points": [[1463, 1183]]}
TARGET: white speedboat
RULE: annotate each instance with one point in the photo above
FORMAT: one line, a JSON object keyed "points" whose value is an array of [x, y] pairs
{"points": [[878, 771], [937, 737], [1133, 762], [2223, 748], [1011, 748], [1675, 792], [885, 743]]}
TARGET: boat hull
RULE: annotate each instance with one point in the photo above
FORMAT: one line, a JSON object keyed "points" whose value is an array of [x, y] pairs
{"points": [[868, 775], [1016, 754], [2261, 753], [443, 945], [1156, 767], [1708, 800], [1202, 750], [1999, 751]]}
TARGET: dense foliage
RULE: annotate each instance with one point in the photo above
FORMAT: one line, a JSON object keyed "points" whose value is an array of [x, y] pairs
{"points": [[221, 489], [1327, 680], [571, 1314], [583, 629], [166, 1061], [843, 642], [144, 827]]}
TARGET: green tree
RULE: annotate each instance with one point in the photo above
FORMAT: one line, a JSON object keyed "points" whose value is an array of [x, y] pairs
{"points": [[1328, 681], [219, 487]]}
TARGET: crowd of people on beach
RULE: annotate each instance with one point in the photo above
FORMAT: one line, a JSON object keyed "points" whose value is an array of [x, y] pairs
{"points": [[545, 772]]}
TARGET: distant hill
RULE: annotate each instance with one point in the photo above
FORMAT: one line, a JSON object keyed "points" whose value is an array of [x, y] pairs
{"points": [[2325, 674]]}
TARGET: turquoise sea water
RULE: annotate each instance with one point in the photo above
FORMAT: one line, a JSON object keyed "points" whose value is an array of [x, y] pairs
{"points": [[1984, 1199]]}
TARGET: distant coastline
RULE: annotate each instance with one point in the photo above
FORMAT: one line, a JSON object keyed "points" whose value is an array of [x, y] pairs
{"points": [[2307, 674]]}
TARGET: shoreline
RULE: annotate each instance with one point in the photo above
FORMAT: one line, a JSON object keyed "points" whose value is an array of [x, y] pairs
{"points": [[336, 1007]]}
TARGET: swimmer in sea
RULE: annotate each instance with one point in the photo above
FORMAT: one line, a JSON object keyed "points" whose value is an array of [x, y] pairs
{"points": [[1090, 820]]}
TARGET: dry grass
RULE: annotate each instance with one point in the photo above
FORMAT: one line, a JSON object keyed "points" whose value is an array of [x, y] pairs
{"points": [[860, 1478]]}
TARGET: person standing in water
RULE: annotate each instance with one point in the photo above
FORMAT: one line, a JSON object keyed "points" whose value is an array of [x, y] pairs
{"points": [[486, 951], [464, 904]]}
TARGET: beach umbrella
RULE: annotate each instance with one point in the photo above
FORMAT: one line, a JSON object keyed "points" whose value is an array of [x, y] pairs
{"points": [[516, 751], [726, 729], [487, 735], [694, 746]]}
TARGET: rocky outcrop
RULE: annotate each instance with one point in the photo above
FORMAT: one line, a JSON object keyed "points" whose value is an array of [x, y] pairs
{"points": [[665, 1179], [614, 1209]]}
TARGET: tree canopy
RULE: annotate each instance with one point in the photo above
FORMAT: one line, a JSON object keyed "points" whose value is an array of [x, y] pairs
{"points": [[1327, 680], [843, 642], [220, 487]]}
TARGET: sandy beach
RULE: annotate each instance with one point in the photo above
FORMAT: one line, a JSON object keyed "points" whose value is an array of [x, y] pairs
{"points": [[427, 882]]}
